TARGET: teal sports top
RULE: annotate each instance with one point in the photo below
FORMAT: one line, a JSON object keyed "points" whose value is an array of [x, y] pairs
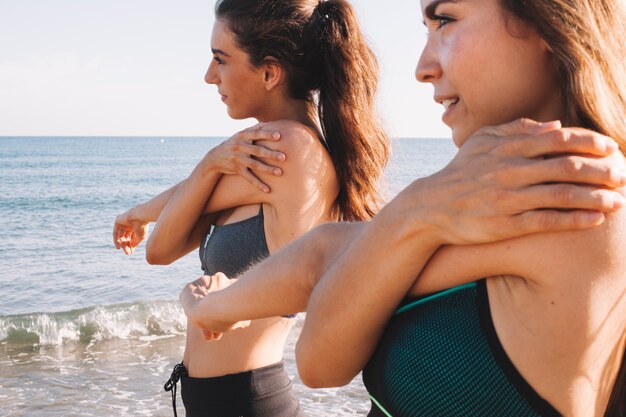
{"points": [[440, 356]]}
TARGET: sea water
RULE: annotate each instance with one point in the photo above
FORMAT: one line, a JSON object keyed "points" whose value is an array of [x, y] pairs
{"points": [[86, 330]]}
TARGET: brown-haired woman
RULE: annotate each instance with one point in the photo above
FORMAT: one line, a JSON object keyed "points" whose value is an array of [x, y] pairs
{"points": [[304, 71], [497, 323]]}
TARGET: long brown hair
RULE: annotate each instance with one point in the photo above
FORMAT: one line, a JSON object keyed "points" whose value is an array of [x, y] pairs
{"points": [[588, 42], [328, 64]]}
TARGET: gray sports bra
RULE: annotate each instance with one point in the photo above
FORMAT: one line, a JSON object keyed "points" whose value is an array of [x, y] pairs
{"points": [[233, 248]]}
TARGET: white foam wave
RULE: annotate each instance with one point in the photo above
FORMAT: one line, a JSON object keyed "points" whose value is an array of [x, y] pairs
{"points": [[140, 320]]}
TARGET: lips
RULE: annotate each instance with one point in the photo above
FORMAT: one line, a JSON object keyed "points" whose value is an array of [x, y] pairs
{"points": [[447, 103]]}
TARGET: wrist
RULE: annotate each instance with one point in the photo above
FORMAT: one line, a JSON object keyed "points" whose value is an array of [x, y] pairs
{"points": [[207, 166], [413, 218], [140, 214], [190, 303], [203, 311], [203, 176]]}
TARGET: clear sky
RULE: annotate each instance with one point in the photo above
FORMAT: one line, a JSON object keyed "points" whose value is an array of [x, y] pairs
{"points": [[136, 67]]}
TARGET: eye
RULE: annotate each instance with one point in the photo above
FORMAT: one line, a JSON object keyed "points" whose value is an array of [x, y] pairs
{"points": [[442, 20], [217, 59], [437, 16]]}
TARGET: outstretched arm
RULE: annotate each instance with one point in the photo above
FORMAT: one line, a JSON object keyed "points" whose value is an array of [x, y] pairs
{"points": [[239, 156], [290, 186], [279, 285], [131, 227]]}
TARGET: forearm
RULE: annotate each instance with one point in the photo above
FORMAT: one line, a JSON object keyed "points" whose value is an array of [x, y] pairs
{"points": [[353, 301], [279, 285], [176, 223], [150, 210]]}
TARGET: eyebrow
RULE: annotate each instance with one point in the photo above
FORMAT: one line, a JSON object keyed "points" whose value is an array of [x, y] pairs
{"points": [[429, 11], [219, 52]]}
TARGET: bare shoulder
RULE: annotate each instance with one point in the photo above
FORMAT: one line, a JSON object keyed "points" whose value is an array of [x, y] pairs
{"points": [[546, 259], [296, 140], [307, 163], [594, 254]]}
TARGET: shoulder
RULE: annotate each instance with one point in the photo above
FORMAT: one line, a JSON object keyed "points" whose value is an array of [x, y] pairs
{"points": [[306, 156], [292, 130], [589, 255], [557, 260], [296, 139]]}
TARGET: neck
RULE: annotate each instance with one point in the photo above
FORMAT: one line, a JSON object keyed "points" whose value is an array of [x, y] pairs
{"points": [[552, 109], [289, 109]]}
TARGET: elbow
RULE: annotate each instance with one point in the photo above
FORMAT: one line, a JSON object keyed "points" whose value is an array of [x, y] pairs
{"points": [[154, 256], [154, 260], [315, 372]]}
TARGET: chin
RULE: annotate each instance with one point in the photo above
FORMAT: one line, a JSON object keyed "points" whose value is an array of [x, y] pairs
{"points": [[237, 116], [458, 138], [231, 113], [460, 135]]}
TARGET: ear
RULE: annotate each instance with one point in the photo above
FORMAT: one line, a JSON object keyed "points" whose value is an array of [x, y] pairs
{"points": [[273, 73], [547, 47]]}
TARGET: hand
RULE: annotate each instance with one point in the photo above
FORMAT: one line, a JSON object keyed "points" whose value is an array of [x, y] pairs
{"points": [[240, 155], [129, 231], [520, 178], [194, 295]]}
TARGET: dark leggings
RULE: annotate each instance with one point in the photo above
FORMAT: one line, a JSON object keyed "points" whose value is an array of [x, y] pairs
{"points": [[262, 392]]}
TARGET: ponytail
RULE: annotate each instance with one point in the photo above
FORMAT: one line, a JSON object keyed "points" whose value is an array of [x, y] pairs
{"points": [[347, 78]]}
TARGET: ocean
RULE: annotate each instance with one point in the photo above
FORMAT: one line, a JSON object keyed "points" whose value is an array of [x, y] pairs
{"points": [[87, 331]]}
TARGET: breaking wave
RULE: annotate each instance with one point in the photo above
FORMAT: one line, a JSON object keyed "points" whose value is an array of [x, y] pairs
{"points": [[139, 320]]}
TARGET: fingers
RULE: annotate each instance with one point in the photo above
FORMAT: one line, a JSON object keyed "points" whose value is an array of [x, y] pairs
{"points": [[568, 169], [118, 231], [262, 152], [241, 324], [250, 167], [122, 239], [556, 221], [567, 196], [255, 181], [241, 155], [209, 335], [561, 141], [204, 281], [116, 237], [251, 135], [258, 151]]}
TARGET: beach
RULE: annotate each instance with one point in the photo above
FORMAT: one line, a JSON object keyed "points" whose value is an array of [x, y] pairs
{"points": [[87, 331]]}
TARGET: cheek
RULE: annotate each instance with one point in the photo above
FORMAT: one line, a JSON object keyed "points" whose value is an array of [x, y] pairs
{"points": [[531, 79], [467, 65]]}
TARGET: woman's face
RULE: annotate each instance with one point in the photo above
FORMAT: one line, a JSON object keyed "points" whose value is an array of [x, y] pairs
{"points": [[239, 83], [486, 68]]}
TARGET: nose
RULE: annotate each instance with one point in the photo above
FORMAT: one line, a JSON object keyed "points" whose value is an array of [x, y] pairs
{"points": [[428, 69], [211, 76]]}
